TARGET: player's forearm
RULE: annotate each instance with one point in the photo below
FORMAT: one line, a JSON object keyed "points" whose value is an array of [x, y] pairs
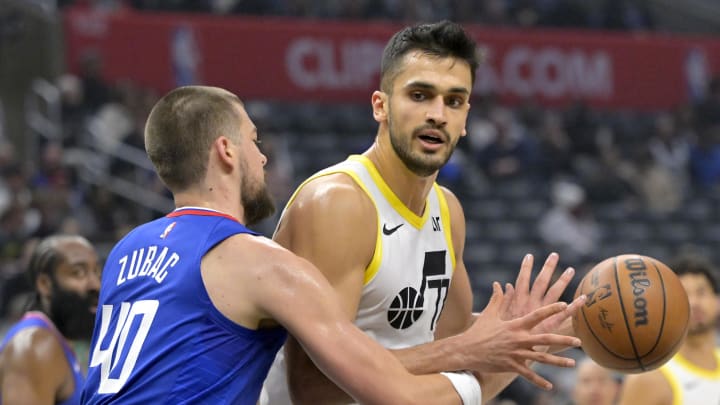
{"points": [[315, 388], [433, 357]]}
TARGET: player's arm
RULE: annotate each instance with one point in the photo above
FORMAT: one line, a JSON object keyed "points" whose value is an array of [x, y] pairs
{"points": [[276, 285], [649, 388], [332, 224], [34, 368]]}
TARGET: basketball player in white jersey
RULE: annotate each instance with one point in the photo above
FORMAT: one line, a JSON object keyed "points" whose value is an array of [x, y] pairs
{"points": [[388, 238], [692, 376]]}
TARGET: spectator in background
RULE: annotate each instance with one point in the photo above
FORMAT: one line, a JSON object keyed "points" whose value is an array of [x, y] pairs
{"points": [[569, 226], [670, 148], [96, 92], [657, 188], [554, 157], [509, 152], [594, 384], [708, 110], [53, 187], [73, 109], [37, 363], [705, 159], [603, 174]]}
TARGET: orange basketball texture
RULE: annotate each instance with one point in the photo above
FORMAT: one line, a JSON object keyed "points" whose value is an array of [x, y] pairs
{"points": [[636, 313]]}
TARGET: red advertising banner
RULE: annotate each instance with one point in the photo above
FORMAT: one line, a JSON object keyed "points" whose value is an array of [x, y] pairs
{"points": [[288, 59]]}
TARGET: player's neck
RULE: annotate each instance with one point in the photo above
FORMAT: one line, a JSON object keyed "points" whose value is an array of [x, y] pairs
{"points": [[410, 188], [213, 201], [699, 349]]}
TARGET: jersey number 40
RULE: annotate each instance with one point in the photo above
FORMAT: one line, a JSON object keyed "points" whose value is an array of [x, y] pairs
{"points": [[123, 349]]}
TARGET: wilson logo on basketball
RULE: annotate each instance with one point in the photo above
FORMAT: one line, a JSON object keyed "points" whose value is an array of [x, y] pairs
{"points": [[639, 283]]}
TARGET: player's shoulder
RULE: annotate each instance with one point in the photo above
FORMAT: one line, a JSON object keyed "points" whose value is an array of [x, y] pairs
{"points": [[651, 386], [336, 186], [255, 252], [34, 346], [331, 194]]}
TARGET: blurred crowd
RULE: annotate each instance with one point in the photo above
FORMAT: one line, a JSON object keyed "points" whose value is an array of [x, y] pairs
{"points": [[639, 162], [594, 14]]}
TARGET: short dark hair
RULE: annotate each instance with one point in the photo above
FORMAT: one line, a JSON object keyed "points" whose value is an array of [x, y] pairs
{"points": [[442, 39], [182, 126], [696, 264]]}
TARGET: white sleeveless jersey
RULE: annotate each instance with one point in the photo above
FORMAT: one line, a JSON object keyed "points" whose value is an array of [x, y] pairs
{"points": [[407, 280], [692, 385]]}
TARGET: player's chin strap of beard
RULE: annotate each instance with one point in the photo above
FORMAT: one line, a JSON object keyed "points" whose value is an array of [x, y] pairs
{"points": [[467, 386]]}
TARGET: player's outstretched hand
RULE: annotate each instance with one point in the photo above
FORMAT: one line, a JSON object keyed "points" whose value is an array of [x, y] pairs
{"points": [[496, 344], [523, 298]]}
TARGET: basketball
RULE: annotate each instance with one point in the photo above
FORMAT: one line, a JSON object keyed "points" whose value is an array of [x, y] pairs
{"points": [[636, 313]]}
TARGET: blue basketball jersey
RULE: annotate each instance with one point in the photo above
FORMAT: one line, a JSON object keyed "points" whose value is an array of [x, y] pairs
{"points": [[39, 320], [158, 338]]}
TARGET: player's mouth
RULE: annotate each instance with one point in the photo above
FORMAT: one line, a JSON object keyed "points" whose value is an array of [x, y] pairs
{"points": [[431, 139]]}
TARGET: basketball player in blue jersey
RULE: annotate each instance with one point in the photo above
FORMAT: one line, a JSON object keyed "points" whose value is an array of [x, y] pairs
{"points": [[191, 304], [37, 362], [692, 376], [390, 240]]}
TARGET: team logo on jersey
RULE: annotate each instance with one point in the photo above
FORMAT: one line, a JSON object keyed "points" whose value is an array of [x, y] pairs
{"points": [[167, 230], [390, 231], [409, 304], [436, 224], [406, 308]]}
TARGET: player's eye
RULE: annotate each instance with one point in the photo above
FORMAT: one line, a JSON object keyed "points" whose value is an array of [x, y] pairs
{"points": [[455, 101], [418, 96], [79, 272]]}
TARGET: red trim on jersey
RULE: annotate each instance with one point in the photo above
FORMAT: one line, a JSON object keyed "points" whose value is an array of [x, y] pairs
{"points": [[203, 213]]}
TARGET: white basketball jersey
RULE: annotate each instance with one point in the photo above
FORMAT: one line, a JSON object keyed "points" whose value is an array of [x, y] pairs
{"points": [[692, 385], [407, 280]]}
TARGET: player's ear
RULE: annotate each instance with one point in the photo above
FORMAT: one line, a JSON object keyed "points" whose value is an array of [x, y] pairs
{"points": [[225, 150], [43, 285], [379, 102]]}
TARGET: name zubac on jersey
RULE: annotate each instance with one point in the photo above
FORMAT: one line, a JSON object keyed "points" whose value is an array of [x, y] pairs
{"points": [[147, 262]]}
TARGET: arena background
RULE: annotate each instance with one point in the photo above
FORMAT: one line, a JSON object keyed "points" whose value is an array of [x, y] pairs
{"points": [[594, 128]]}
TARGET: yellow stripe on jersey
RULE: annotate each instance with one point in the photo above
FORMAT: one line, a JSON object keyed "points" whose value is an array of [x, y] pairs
{"points": [[674, 385], [445, 218], [698, 371], [374, 265], [412, 218]]}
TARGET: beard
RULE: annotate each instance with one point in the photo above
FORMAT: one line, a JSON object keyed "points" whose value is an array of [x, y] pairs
{"points": [[700, 328], [70, 311], [419, 163], [257, 202]]}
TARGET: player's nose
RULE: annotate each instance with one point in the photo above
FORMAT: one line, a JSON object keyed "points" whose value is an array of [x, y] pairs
{"points": [[435, 113], [93, 281]]}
